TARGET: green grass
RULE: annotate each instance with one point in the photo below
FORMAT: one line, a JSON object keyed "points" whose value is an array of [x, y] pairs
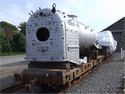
{"points": [[12, 53]]}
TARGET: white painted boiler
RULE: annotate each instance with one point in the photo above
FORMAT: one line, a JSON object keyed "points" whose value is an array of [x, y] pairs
{"points": [[53, 36]]}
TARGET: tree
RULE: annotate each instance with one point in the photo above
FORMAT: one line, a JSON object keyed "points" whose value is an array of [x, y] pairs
{"points": [[19, 42], [2, 40], [7, 46], [8, 26], [22, 27], [5, 43]]}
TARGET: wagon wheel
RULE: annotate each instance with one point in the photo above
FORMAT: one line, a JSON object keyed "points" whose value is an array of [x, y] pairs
{"points": [[17, 78]]}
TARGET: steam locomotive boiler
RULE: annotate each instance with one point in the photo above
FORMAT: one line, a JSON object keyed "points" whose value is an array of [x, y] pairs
{"points": [[53, 36]]}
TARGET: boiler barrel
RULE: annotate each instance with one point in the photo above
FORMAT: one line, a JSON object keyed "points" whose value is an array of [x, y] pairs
{"points": [[87, 36]]}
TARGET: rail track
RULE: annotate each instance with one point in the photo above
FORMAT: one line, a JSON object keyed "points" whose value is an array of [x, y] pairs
{"points": [[12, 88], [61, 89]]}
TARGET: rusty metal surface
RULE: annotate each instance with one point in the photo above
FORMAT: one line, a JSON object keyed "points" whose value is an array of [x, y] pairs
{"points": [[44, 72], [18, 78], [30, 86], [12, 88], [60, 76]]}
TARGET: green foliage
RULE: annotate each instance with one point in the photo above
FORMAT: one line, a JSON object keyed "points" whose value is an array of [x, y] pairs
{"points": [[10, 40], [16, 44], [0, 48], [2, 36], [5, 42], [7, 45], [2, 40], [12, 53], [1, 29], [22, 26], [19, 42], [8, 26]]}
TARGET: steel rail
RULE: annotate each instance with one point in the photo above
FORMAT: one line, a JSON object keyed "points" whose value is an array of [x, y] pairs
{"points": [[12, 88]]}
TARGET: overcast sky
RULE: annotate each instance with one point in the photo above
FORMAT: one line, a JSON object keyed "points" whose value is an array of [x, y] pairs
{"points": [[97, 14]]}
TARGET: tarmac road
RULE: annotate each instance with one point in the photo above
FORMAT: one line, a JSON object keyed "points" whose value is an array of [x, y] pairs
{"points": [[11, 59]]}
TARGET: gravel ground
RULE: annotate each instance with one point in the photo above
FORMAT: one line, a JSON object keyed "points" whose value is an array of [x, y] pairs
{"points": [[7, 71], [105, 79]]}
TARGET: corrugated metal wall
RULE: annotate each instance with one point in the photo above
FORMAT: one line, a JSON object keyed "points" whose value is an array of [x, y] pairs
{"points": [[118, 38]]}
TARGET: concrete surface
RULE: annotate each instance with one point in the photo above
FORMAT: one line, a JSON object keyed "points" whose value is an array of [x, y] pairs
{"points": [[11, 59]]}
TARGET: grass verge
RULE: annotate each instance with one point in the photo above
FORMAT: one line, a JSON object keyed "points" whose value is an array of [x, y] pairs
{"points": [[12, 53]]}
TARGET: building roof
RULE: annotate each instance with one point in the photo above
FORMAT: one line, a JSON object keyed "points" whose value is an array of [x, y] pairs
{"points": [[118, 26]]}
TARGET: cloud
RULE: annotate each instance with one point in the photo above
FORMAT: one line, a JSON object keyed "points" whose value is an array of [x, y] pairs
{"points": [[13, 14], [76, 3], [65, 9], [113, 8], [4, 16]]}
